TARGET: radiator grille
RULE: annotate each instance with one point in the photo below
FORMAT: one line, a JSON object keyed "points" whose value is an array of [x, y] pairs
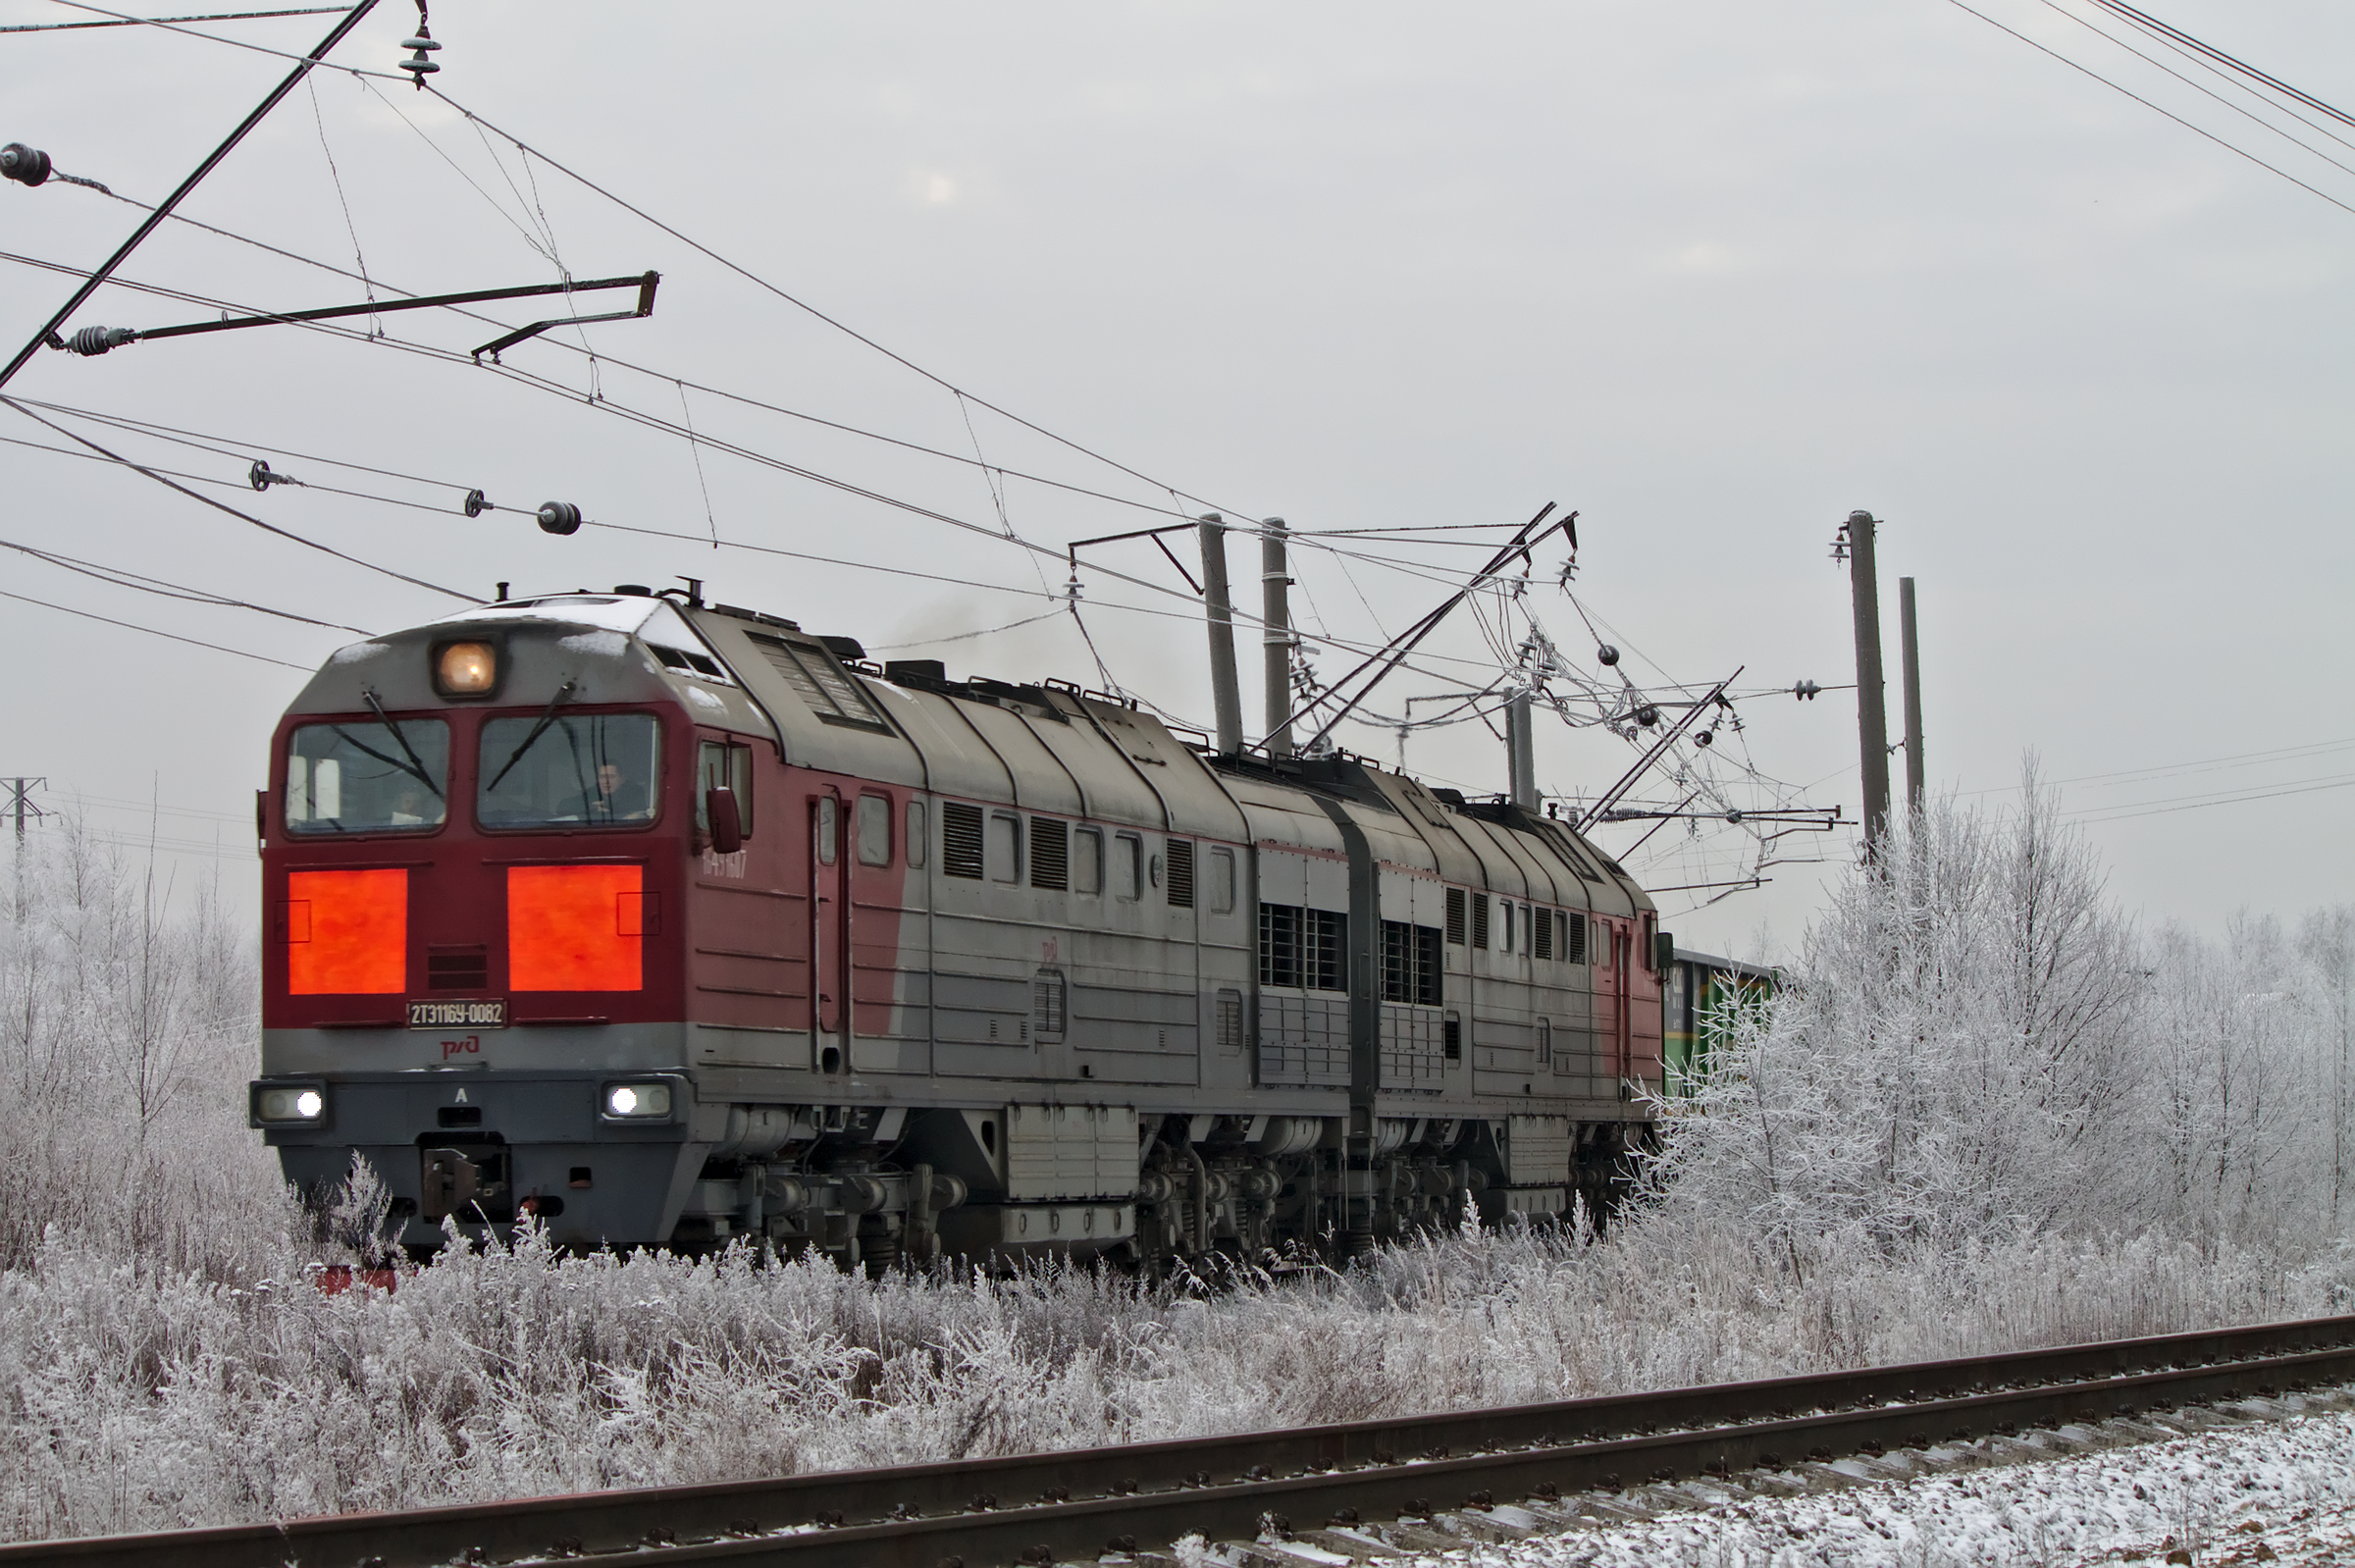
{"points": [[960, 840], [457, 969], [1050, 852], [1181, 873]]}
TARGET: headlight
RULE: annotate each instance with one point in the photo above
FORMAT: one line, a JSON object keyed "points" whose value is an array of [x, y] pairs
{"points": [[466, 669], [638, 1102], [289, 1103]]}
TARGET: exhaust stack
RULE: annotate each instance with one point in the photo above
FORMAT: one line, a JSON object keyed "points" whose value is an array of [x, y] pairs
{"points": [[1275, 641], [1521, 751], [1224, 693]]}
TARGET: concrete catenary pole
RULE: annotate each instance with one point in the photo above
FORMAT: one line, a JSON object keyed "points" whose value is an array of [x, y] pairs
{"points": [[1521, 751], [1910, 663], [1872, 715], [1275, 641], [1225, 694]]}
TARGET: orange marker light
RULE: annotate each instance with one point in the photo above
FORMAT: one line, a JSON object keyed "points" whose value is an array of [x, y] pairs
{"points": [[576, 928], [466, 669], [347, 932]]}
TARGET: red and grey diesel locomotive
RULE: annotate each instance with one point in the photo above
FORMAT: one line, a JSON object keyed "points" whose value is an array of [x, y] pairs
{"points": [[667, 922]]}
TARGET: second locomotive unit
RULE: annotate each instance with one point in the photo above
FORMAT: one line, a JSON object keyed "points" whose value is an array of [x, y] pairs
{"points": [[667, 922]]}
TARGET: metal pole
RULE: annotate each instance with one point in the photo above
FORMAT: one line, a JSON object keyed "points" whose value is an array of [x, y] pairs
{"points": [[1224, 693], [1521, 751], [163, 210], [1873, 717], [1275, 641], [1910, 660]]}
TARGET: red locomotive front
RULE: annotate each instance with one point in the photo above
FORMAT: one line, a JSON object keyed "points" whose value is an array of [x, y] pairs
{"points": [[478, 849]]}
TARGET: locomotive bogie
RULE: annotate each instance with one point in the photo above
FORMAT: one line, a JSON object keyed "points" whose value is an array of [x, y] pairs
{"points": [[672, 924]]}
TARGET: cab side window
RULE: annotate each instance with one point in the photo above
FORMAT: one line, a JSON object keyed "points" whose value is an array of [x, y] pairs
{"points": [[723, 765], [1221, 882], [875, 830], [1003, 848], [1127, 867]]}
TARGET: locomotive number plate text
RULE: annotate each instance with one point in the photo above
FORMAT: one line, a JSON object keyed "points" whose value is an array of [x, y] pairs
{"points": [[491, 1014]]}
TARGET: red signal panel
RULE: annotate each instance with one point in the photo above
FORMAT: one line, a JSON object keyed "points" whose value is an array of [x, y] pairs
{"points": [[347, 932], [578, 928]]}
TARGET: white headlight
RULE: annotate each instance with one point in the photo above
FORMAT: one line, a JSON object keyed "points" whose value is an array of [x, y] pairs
{"points": [[289, 1105], [638, 1102]]}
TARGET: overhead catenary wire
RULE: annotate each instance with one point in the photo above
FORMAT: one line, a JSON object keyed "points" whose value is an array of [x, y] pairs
{"points": [[2208, 92], [249, 517], [133, 626], [212, 160], [123, 578], [989, 470], [2154, 25], [2198, 131], [993, 471], [150, 22], [799, 303], [2126, 811]]}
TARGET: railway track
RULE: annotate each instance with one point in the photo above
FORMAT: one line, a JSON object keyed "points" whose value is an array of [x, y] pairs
{"points": [[1415, 1481]]}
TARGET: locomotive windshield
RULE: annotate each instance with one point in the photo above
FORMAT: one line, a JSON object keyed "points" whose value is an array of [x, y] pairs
{"points": [[570, 771], [367, 778]]}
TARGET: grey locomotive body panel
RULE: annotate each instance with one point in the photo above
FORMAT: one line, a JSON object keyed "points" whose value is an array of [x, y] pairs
{"points": [[1315, 973]]}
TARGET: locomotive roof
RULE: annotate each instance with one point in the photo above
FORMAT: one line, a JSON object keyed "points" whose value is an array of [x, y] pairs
{"points": [[1046, 747]]}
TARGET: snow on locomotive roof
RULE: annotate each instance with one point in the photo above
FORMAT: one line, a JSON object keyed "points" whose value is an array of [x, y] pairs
{"points": [[614, 613]]}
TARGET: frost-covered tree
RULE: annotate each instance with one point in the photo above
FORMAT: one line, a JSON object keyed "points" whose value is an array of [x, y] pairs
{"points": [[1976, 1046], [127, 1018], [1954, 1059], [2326, 953]]}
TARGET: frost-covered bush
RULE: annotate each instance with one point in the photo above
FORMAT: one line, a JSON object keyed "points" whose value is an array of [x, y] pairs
{"points": [[137, 1398]]}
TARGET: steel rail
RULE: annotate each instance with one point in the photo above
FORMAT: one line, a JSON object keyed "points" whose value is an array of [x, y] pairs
{"points": [[1069, 1504]]}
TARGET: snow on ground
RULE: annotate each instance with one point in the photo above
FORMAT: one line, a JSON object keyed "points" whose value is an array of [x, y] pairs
{"points": [[2277, 1491]]}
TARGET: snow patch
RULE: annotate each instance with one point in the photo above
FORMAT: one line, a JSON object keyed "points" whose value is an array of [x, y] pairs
{"points": [[596, 645]]}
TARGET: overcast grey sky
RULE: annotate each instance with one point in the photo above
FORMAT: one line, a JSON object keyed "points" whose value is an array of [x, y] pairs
{"points": [[1711, 274]]}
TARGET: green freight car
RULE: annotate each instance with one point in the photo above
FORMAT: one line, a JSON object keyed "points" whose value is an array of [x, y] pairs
{"points": [[1697, 992]]}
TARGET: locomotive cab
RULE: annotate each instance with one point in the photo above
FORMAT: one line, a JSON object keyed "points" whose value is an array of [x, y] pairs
{"points": [[476, 834]]}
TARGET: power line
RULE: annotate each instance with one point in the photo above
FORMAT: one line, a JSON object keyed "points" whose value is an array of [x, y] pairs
{"points": [[2204, 91], [168, 590], [193, 438], [754, 456], [2147, 104], [799, 303], [2120, 813], [131, 626], [385, 339], [211, 161], [2198, 764], [2153, 23], [172, 25], [135, 22], [269, 528]]}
